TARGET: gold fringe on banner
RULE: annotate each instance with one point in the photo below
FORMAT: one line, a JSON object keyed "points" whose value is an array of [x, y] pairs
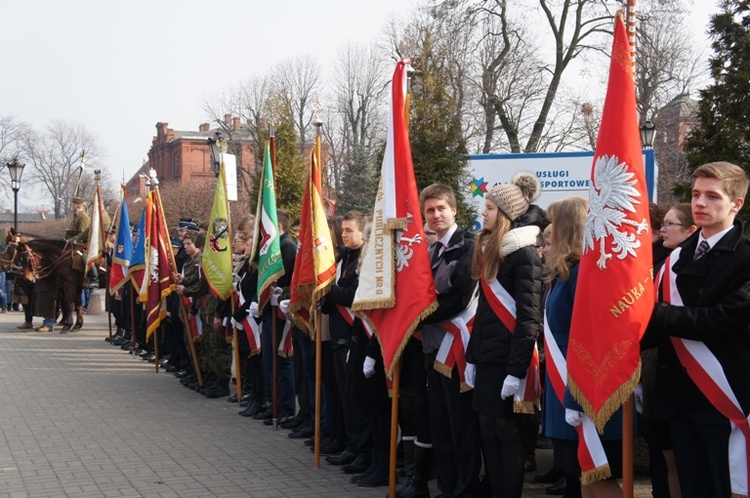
{"points": [[598, 474]]}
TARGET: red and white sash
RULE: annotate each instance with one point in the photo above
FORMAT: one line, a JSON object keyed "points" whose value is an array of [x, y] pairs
{"points": [[251, 328], [196, 324], [285, 345], [452, 351], [706, 371], [504, 306], [591, 456]]}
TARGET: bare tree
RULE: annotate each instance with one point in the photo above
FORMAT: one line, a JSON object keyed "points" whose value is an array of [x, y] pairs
{"points": [[55, 159], [667, 62], [296, 81], [11, 132]]}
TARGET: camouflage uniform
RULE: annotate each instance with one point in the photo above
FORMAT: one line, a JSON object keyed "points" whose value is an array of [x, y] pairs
{"points": [[191, 280]]}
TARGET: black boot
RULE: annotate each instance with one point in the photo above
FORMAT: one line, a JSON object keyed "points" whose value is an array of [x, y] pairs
{"points": [[370, 469], [408, 445], [379, 476], [359, 465], [416, 487]]}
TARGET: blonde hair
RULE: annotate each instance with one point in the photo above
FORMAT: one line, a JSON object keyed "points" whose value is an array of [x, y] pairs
{"points": [[568, 217], [732, 177], [487, 256]]}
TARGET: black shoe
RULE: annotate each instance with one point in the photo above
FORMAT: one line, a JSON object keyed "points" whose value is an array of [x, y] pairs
{"points": [[359, 465], [280, 420], [218, 392], [119, 341], [302, 433], [125, 346], [252, 410], [330, 448], [246, 400], [182, 374], [550, 477], [232, 398], [558, 488], [266, 414], [344, 458]]}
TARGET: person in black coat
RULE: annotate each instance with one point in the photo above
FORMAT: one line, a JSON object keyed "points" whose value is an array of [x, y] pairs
{"points": [[454, 430], [712, 271], [506, 261]]}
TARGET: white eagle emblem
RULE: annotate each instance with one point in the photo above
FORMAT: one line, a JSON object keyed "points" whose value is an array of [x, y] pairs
{"points": [[611, 196], [153, 265]]}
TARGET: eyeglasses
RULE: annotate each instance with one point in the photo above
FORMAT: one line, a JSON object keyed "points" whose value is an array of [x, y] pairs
{"points": [[672, 224]]}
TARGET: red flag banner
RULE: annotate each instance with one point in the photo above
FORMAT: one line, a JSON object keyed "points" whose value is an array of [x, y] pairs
{"points": [[315, 265], [614, 295], [396, 289], [159, 271]]}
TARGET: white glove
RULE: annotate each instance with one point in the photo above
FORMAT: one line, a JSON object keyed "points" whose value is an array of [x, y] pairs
{"points": [[275, 293], [284, 306], [253, 309], [470, 374], [347, 355], [510, 386], [638, 395], [573, 417], [236, 324], [368, 367]]}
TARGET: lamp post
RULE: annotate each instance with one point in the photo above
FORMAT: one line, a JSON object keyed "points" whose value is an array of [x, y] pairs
{"points": [[218, 147], [16, 171], [648, 131]]}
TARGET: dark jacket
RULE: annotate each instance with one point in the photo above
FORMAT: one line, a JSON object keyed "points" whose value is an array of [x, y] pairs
{"points": [[288, 254], [342, 293], [716, 294], [453, 283], [491, 341]]}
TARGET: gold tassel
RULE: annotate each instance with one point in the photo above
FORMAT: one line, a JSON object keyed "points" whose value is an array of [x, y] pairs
{"points": [[523, 407], [597, 474], [442, 368]]}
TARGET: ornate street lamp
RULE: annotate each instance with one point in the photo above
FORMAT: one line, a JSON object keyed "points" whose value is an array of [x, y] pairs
{"points": [[16, 171], [218, 147], [648, 130]]}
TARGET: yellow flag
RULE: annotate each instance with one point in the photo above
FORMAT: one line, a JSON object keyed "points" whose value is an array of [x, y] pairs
{"points": [[217, 254]]}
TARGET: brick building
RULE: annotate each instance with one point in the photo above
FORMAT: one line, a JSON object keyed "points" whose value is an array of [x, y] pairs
{"points": [[185, 157]]}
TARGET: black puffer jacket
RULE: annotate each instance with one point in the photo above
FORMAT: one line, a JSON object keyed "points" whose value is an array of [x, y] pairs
{"points": [[491, 342]]}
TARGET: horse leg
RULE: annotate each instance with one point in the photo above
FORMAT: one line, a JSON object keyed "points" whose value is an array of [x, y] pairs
{"points": [[79, 310]]}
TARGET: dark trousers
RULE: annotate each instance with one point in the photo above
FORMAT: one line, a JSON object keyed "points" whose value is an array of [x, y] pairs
{"points": [[701, 446], [455, 435], [304, 365], [286, 399]]}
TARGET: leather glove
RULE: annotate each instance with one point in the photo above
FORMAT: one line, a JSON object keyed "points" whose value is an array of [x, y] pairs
{"points": [[368, 367], [274, 297], [470, 374], [510, 386], [638, 395], [573, 417], [236, 324], [284, 306], [253, 310]]}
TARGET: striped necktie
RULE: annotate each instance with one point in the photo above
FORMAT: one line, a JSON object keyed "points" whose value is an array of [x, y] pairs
{"points": [[701, 251]]}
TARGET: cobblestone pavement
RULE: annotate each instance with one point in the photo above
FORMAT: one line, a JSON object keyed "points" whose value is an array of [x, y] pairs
{"points": [[81, 418]]}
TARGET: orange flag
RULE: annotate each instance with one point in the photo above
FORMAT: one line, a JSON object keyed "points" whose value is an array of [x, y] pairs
{"points": [[315, 265], [396, 289], [614, 295]]}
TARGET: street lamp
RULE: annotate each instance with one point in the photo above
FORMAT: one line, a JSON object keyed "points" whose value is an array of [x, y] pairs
{"points": [[648, 130], [16, 171], [218, 146]]}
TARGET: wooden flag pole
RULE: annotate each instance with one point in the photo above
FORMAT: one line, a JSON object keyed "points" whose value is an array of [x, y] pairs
{"points": [[394, 430], [318, 383], [627, 418]]}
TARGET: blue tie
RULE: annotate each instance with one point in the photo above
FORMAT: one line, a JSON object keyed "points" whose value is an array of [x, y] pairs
{"points": [[703, 248]]}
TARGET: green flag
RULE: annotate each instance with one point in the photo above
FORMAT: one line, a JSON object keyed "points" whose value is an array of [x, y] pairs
{"points": [[217, 254], [266, 238]]}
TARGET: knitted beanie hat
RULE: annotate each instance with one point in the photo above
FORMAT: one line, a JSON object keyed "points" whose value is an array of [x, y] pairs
{"points": [[514, 198]]}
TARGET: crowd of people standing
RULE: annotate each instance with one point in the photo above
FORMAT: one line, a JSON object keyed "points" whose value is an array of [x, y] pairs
{"points": [[456, 421]]}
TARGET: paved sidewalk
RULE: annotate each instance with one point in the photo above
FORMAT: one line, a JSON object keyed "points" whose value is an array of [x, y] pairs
{"points": [[81, 418]]}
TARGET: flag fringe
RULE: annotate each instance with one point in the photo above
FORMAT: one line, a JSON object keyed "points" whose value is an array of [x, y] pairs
{"points": [[589, 477], [412, 327], [396, 224], [374, 304], [618, 398], [465, 387], [738, 495]]}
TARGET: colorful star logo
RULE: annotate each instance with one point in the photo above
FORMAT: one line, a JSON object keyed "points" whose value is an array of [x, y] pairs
{"points": [[478, 187]]}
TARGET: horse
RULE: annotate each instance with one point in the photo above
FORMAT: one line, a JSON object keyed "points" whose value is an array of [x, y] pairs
{"points": [[42, 259]]}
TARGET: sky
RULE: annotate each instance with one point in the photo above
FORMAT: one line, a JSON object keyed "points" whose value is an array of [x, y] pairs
{"points": [[121, 67]]}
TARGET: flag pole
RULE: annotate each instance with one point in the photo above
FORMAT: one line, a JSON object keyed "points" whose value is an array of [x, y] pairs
{"points": [[628, 481], [274, 319], [155, 184], [232, 302], [185, 316], [318, 337]]}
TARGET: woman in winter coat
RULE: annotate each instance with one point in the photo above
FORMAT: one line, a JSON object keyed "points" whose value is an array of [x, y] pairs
{"points": [[506, 326]]}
